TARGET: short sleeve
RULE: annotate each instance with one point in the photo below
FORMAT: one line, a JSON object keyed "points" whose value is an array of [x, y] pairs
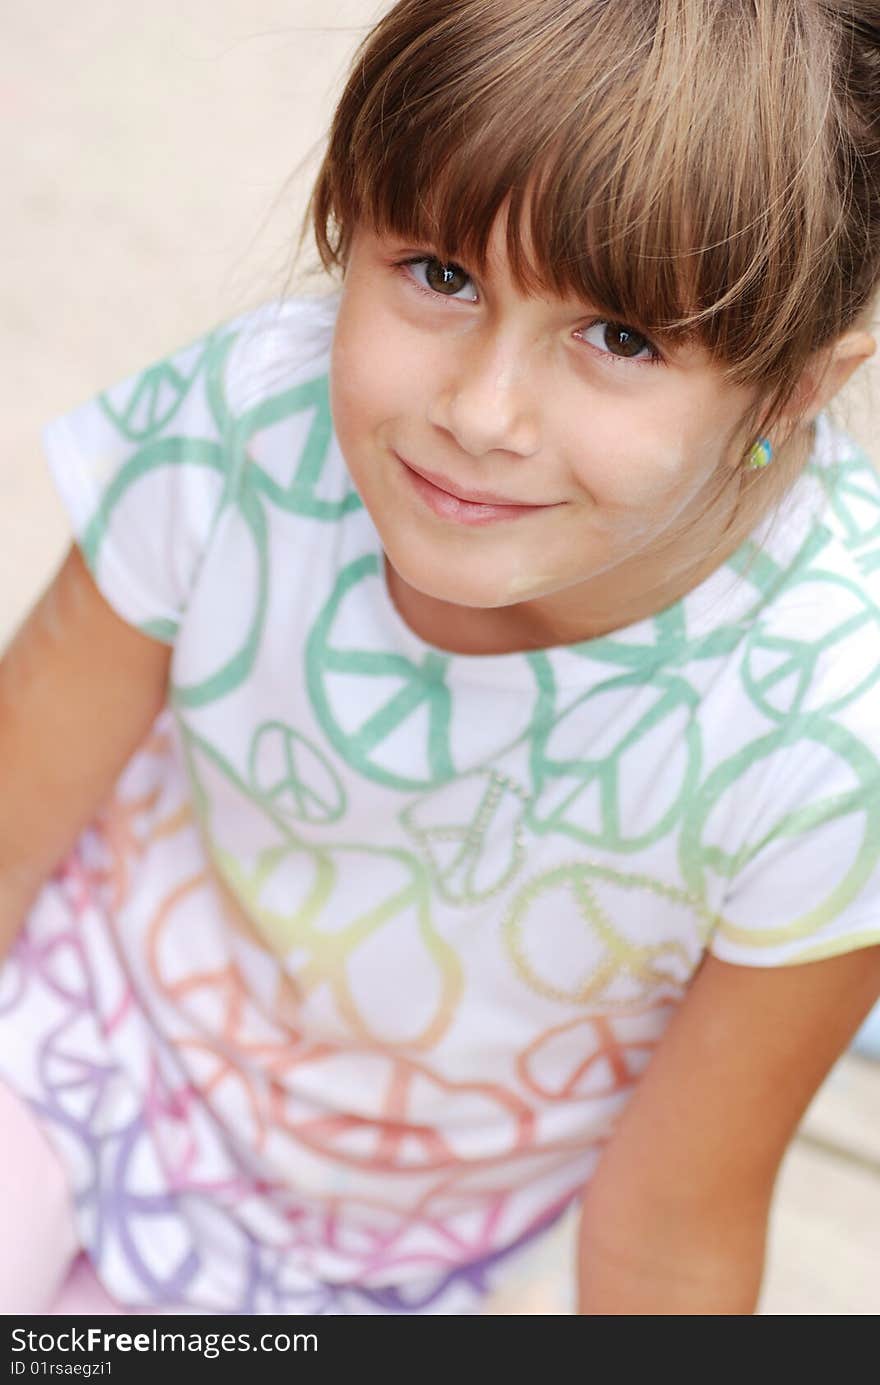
{"points": [[141, 470], [805, 882]]}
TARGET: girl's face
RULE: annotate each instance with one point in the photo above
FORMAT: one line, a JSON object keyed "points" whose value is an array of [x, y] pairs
{"points": [[597, 451]]}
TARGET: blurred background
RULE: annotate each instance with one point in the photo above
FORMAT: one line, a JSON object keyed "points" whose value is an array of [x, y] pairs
{"points": [[156, 163]]}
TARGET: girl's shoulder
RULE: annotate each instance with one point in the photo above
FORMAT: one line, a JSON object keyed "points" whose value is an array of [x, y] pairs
{"points": [[276, 345], [145, 467], [818, 572], [802, 847], [302, 320], [846, 481], [836, 450], [827, 530]]}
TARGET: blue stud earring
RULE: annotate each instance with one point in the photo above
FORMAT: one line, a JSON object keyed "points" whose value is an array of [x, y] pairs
{"points": [[761, 454]]}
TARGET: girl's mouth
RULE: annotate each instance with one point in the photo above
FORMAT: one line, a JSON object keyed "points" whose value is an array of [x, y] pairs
{"points": [[451, 507]]}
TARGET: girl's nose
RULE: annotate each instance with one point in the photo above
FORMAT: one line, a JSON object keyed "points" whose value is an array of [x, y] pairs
{"points": [[487, 402]]}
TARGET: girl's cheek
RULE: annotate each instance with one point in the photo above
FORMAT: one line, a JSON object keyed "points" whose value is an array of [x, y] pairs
{"points": [[368, 370], [633, 491], [353, 378]]}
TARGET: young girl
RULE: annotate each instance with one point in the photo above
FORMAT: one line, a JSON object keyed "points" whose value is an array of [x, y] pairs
{"points": [[443, 784]]}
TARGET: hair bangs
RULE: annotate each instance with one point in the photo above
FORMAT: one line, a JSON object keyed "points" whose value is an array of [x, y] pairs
{"points": [[560, 241], [675, 164]]}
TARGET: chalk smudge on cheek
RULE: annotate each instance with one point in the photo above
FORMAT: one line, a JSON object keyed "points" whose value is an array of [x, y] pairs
{"points": [[527, 582]]}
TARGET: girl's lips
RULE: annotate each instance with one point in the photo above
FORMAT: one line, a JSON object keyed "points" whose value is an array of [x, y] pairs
{"points": [[450, 507]]}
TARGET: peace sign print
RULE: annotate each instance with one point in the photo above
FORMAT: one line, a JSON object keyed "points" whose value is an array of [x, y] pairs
{"points": [[827, 822], [353, 924], [471, 833], [598, 800], [854, 502], [419, 1121], [142, 408], [354, 928], [785, 674], [391, 718], [563, 935], [595, 1056], [406, 697], [252, 538], [295, 425], [294, 775]]}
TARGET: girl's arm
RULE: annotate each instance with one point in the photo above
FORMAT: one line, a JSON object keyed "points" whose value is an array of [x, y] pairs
{"points": [[674, 1220], [79, 689]]}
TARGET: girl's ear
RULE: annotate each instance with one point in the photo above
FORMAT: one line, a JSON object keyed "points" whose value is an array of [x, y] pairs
{"points": [[828, 373]]}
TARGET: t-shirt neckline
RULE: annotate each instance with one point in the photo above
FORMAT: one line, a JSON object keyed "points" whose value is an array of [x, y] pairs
{"points": [[633, 649]]}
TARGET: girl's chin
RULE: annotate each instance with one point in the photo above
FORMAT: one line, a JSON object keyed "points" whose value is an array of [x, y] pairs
{"points": [[473, 591]]}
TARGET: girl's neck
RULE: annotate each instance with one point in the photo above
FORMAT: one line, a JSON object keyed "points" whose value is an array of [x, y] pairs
{"points": [[524, 627], [633, 591]]}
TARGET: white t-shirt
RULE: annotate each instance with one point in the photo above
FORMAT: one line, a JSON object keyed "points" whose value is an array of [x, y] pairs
{"points": [[359, 965]]}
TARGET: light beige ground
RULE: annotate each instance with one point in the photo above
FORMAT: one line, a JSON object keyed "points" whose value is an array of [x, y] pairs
{"points": [[145, 152]]}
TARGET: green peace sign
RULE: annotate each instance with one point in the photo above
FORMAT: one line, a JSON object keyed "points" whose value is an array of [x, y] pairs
{"points": [[729, 795], [294, 775], [854, 498], [781, 671], [416, 688], [156, 394], [565, 783], [250, 489]]}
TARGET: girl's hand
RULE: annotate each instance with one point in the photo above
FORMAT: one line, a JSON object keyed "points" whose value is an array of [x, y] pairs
{"points": [[674, 1220]]}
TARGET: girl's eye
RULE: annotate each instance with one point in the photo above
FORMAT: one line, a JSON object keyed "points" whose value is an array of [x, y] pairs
{"points": [[621, 343], [444, 280]]}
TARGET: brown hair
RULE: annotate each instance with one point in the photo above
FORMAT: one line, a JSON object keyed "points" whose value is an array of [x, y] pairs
{"points": [[701, 170]]}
